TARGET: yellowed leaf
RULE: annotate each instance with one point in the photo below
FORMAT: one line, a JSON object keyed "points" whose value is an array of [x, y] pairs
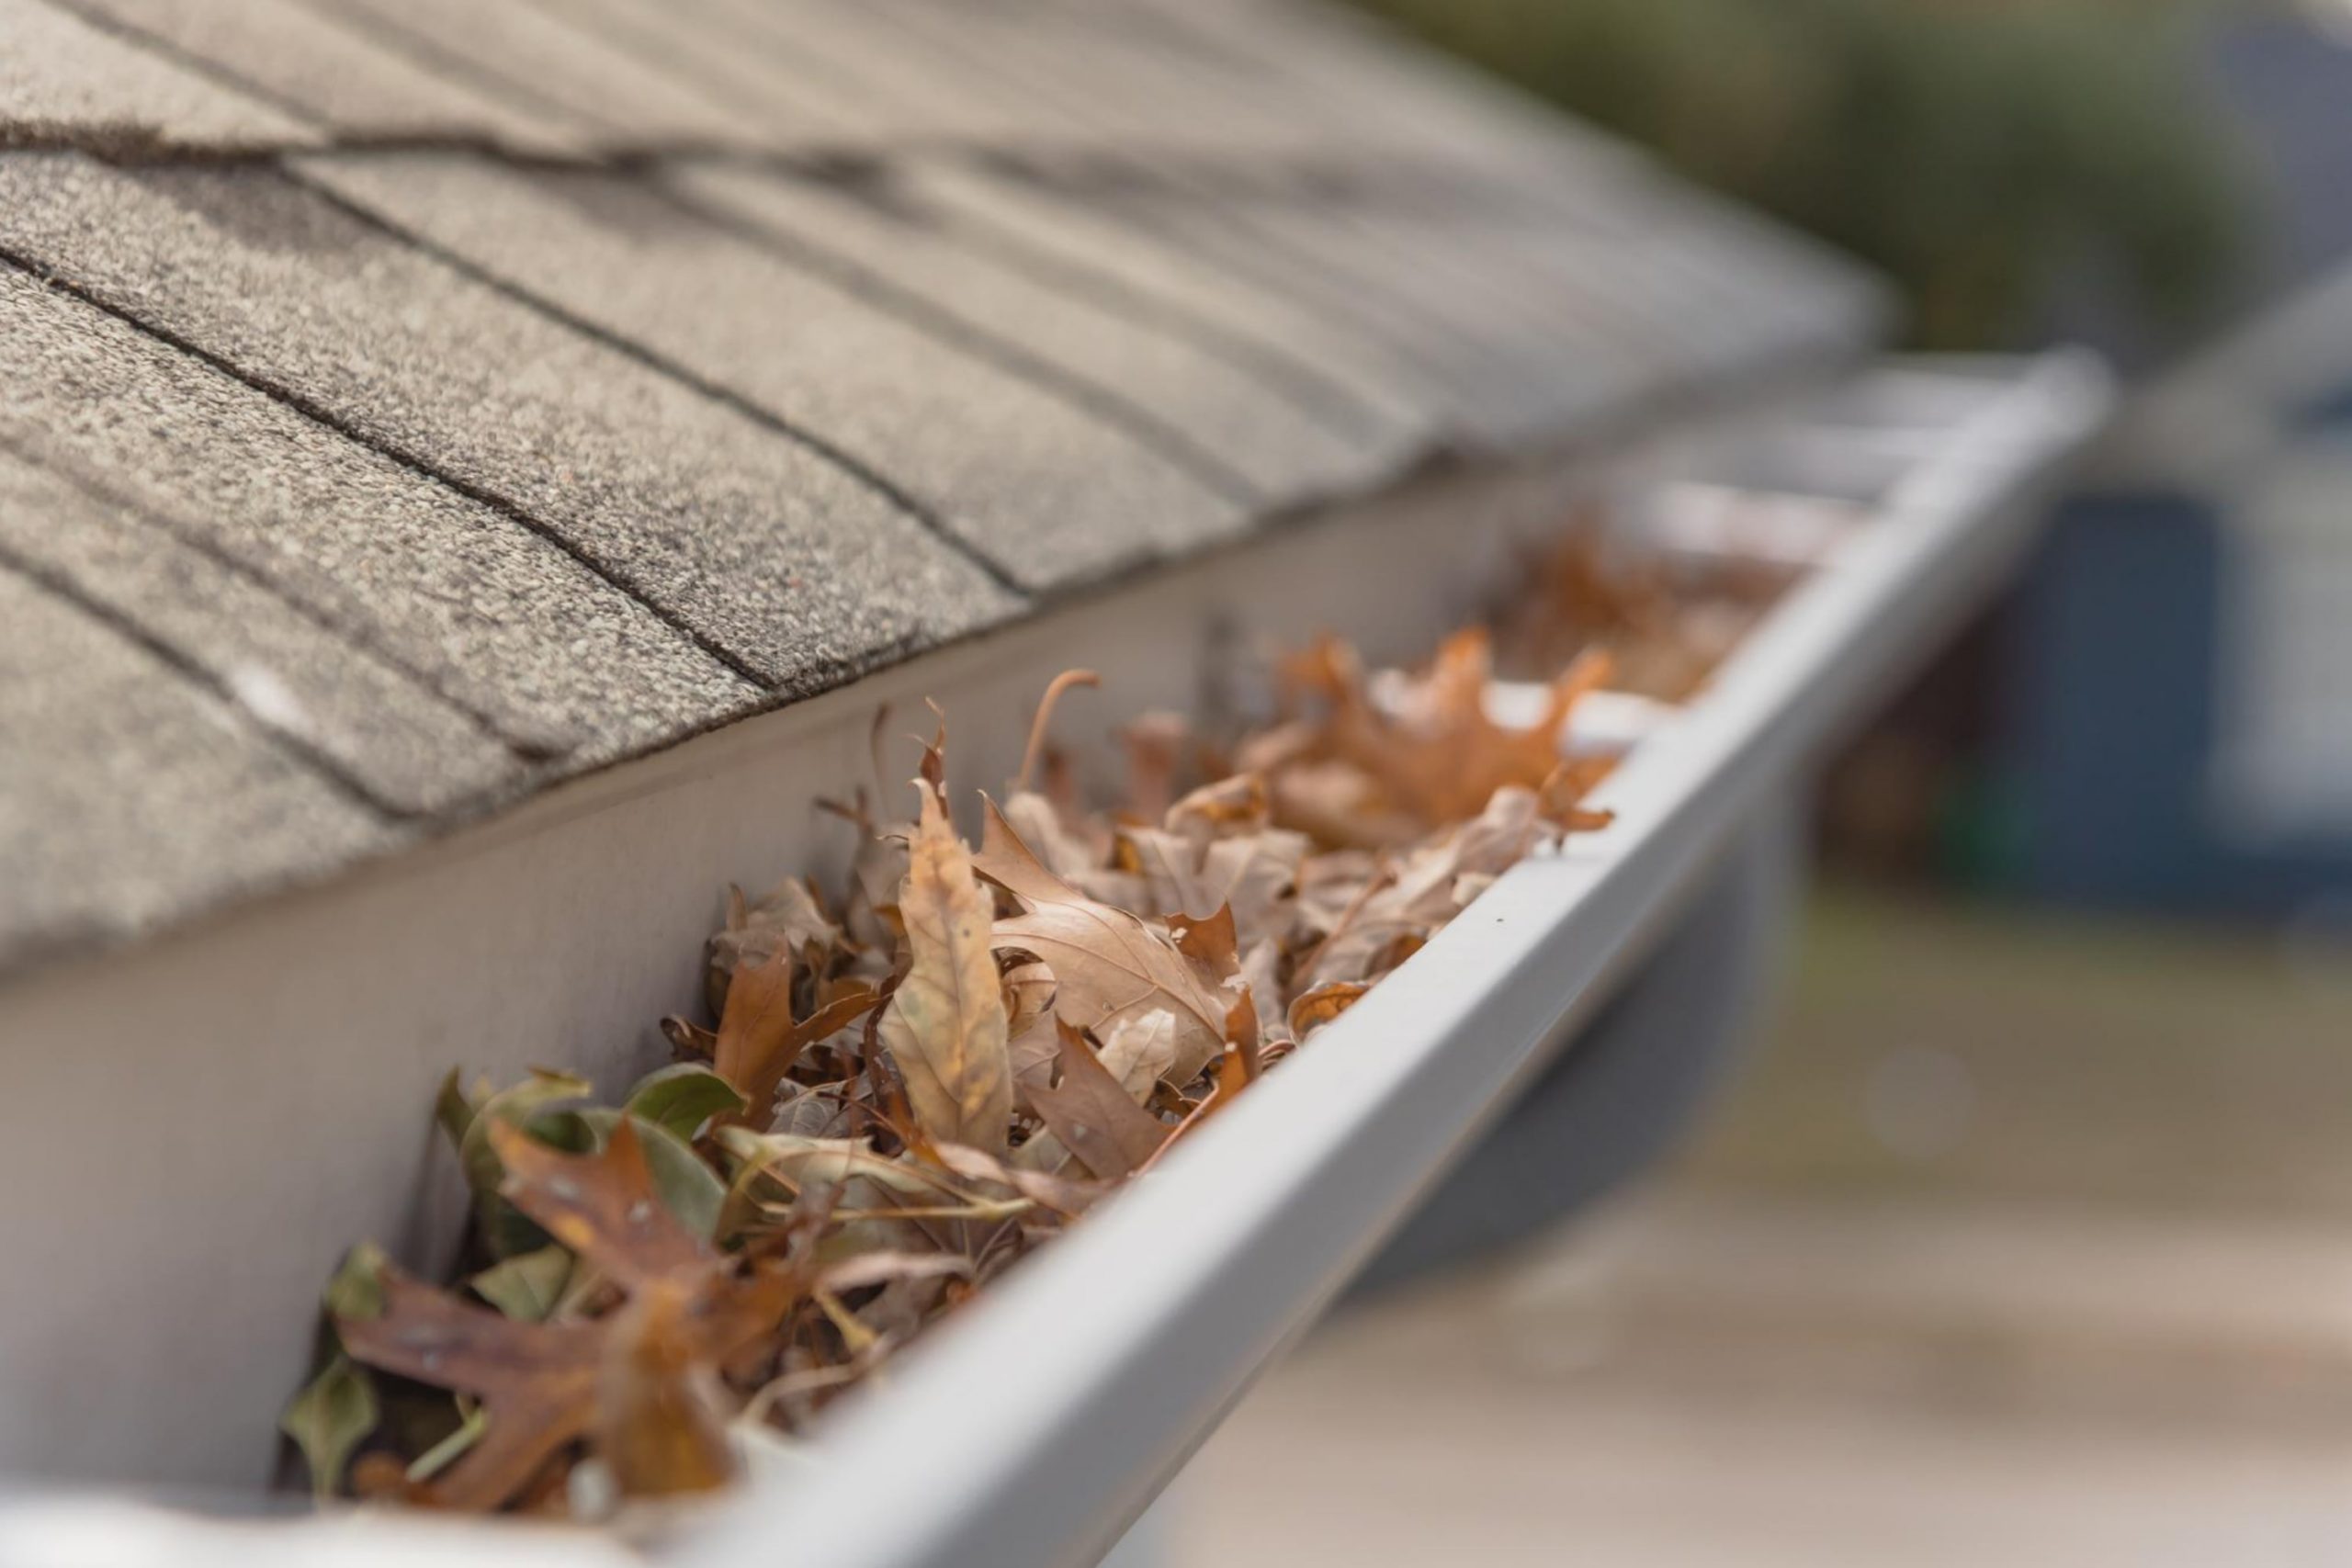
{"points": [[946, 1026]]}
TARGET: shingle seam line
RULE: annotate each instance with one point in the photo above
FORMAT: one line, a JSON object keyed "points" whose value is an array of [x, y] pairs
{"points": [[213, 70], [454, 67], [164, 522], [849, 463], [1324, 398], [612, 576], [294, 747], [1089, 396]]}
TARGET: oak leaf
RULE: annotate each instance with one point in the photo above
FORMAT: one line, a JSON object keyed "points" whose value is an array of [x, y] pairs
{"points": [[1107, 963], [540, 1383], [788, 920], [1431, 747], [1093, 1115], [759, 1038]]}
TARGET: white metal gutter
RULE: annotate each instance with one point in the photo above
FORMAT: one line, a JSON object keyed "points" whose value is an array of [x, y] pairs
{"points": [[1031, 1429]]}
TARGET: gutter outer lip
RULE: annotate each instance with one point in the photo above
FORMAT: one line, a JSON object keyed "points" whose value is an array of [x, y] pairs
{"points": [[1032, 1430]]}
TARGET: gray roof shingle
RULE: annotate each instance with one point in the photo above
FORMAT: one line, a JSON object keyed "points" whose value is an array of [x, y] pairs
{"points": [[493, 617], [121, 782], [888, 88], [407, 404], [767, 553], [777, 87], [1022, 474], [383, 733], [521, 51], [62, 80], [319, 66], [1281, 446], [1075, 248]]}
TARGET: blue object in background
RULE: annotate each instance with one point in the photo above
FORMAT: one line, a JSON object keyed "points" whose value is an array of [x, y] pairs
{"points": [[2112, 681]]}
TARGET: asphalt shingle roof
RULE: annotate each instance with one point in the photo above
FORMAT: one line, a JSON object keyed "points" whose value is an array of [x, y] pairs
{"points": [[316, 65], [407, 404], [1011, 468], [61, 79], [753, 543], [73, 687], [376, 728], [501, 622], [1136, 373]]}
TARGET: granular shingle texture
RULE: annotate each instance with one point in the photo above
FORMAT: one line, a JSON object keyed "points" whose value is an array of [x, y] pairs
{"points": [[322, 67], [1021, 472], [497, 619], [62, 80], [121, 783], [767, 552], [407, 404], [789, 101], [1280, 445], [519, 50], [1076, 248], [874, 79], [381, 731]]}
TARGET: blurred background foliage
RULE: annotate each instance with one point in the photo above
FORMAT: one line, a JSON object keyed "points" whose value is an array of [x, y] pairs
{"points": [[1989, 155]]}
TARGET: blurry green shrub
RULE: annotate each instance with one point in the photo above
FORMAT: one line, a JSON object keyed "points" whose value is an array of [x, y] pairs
{"points": [[1977, 150]]}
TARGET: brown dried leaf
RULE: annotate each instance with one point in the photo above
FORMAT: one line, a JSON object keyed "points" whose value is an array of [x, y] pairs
{"points": [[1093, 1115], [1139, 1051], [1064, 852], [1065, 1195], [1321, 1005], [1235, 804], [870, 1268], [536, 1381], [1251, 873], [603, 1206], [788, 920], [1432, 749], [1032, 1055], [945, 1027], [1108, 963], [759, 1040], [660, 1411], [1155, 743]]}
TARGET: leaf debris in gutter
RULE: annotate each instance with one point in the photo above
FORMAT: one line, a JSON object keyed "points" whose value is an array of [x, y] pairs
{"points": [[914, 1078]]}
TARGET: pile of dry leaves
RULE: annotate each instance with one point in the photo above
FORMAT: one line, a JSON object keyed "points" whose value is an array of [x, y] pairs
{"points": [[914, 1082]]}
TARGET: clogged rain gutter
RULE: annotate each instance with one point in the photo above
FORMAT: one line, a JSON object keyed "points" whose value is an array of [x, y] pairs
{"points": [[1055, 1411]]}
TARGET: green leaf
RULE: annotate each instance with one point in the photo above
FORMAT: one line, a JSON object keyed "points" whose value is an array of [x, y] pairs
{"points": [[575, 1131], [515, 1105], [682, 1096], [473, 1421], [527, 1286], [503, 1227], [328, 1419], [686, 1184], [358, 1288], [682, 1179]]}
